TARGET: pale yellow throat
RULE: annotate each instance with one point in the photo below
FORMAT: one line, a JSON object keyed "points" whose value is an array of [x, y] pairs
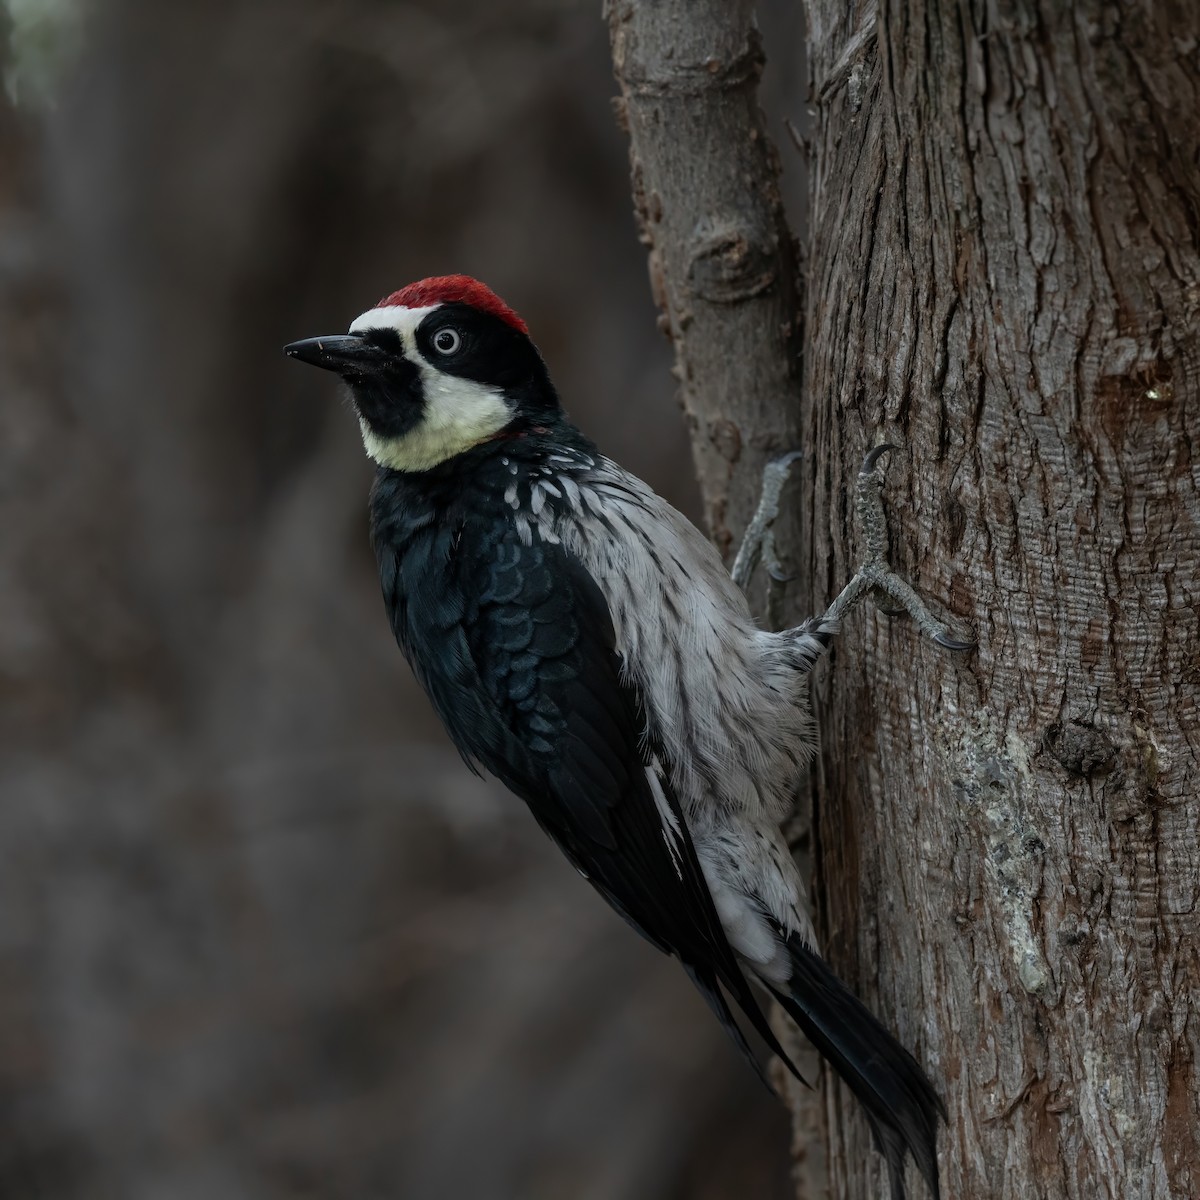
{"points": [[459, 414]]}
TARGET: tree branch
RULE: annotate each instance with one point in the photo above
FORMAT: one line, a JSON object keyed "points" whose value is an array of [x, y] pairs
{"points": [[723, 265]]}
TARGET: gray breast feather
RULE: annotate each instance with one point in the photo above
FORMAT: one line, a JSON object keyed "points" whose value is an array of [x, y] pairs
{"points": [[725, 698], [726, 701]]}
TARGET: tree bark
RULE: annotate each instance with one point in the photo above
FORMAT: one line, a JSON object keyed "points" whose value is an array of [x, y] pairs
{"points": [[1004, 278]]}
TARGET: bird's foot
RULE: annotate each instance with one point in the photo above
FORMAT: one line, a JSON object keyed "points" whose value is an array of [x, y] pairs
{"points": [[758, 542], [874, 577]]}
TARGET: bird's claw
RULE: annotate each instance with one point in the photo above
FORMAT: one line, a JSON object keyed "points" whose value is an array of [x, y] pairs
{"points": [[874, 456], [947, 642], [782, 465], [758, 542], [875, 577]]}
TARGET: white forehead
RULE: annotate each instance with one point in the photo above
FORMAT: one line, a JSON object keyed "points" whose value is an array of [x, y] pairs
{"points": [[394, 316]]}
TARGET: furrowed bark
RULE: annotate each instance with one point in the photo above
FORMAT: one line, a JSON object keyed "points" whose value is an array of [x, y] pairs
{"points": [[1004, 278]]}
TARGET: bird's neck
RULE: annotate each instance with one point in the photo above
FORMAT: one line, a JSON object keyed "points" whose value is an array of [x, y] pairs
{"points": [[484, 474]]}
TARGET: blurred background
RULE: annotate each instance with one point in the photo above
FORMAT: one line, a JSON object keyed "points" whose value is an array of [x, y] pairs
{"points": [[261, 933]]}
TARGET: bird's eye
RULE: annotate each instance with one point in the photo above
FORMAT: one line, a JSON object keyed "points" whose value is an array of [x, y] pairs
{"points": [[446, 340]]}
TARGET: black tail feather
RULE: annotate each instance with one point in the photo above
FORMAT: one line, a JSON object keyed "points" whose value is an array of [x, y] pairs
{"points": [[706, 983], [900, 1104]]}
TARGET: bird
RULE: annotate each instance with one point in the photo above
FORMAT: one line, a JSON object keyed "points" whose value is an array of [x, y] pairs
{"points": [[583, 642]]}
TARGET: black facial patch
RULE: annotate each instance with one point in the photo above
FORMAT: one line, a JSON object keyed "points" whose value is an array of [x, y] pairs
{"points": [[388, 396], [384, 339], [489, 350]]}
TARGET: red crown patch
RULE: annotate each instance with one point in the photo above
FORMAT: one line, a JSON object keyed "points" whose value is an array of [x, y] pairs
{"points": [[454, 289]]}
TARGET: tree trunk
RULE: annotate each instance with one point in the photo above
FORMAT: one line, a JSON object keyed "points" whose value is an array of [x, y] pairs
{"points": [[1004, 278]]}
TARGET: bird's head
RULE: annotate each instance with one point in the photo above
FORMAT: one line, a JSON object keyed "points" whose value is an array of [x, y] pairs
{"points": [[435, 369]]}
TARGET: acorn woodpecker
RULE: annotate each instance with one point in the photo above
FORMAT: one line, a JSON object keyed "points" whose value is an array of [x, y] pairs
{"points": [[582, 641]]}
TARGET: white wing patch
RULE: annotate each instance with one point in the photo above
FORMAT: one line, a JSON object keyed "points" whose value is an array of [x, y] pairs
{"points": [[671, 832]]}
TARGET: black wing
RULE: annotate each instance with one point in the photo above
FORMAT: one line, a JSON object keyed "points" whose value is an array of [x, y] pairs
{"points": [[515, 646]]}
